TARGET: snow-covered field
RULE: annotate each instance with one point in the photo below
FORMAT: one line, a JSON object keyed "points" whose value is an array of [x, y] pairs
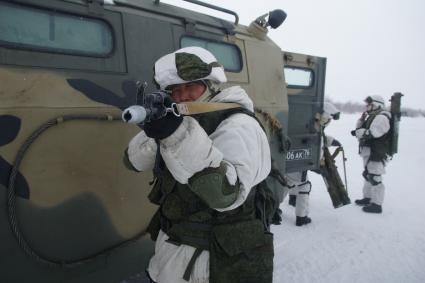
{"points": [[348, 245]]}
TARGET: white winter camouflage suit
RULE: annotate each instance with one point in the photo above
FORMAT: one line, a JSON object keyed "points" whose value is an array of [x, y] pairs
{"points": [[379, 126], [238, 141]]}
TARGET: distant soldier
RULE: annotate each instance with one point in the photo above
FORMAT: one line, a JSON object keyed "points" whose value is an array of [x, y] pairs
{"points": [[207, 170], [298, 183], [372, 131]]}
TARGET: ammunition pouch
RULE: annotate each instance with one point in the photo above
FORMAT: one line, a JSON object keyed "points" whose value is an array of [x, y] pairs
{"points": [[379, 148], [241, 253], [211, 185]]}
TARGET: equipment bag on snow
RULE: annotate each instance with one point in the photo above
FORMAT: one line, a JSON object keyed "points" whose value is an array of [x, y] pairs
{"points": [[336, 189]]}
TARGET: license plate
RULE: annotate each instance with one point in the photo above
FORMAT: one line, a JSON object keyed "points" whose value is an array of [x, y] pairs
{"points": [[298, 154]]}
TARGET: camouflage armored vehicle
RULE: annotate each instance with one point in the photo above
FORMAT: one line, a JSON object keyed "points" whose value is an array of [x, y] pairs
{"points": [[70, 210]]}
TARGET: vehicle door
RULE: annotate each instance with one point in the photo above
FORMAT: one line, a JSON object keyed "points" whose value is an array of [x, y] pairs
{"points": [[305, 81]]}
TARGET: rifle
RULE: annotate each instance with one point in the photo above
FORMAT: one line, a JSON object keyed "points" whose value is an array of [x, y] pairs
{"points": [[152, 106], [156, 105]]}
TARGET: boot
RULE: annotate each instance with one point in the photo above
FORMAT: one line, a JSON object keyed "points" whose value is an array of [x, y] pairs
{"points": [[292, 200], [363, 201], [277, 217], [373, 208], [302, 220]]}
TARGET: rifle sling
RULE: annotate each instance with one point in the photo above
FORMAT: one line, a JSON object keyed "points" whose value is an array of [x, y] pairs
{"points": [[191, 108]]}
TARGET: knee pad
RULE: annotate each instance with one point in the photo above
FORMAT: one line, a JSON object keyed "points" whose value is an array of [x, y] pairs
{"points": [[374, 179], [305, 188]]}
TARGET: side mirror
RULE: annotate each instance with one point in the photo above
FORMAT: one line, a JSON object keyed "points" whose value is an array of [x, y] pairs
{"points": [[259, 27], [276, 18]]}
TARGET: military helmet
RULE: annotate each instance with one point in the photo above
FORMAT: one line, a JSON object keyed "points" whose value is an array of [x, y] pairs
{"points": [[331, 111], [186, 65], [376, 101]]}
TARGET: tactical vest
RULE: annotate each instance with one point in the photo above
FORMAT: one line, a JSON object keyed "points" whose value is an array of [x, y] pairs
{"points": [[379, 147], [239, 241]]}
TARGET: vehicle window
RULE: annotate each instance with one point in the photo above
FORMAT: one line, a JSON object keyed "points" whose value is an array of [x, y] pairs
{"points": [[45, 30], [227, 54], [298, 77]]}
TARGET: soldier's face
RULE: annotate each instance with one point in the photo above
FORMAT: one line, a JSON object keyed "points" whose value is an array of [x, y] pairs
{"points": [[369, 107], [187, 92]]}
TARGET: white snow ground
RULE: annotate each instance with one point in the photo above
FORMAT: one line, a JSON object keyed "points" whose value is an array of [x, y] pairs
{"points": [[348, 245]]}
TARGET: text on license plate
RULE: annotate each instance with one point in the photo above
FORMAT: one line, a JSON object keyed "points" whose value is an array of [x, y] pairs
{"points": [[298, 154]]}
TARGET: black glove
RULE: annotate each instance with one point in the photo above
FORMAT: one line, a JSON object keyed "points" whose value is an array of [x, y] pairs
{"points": [[165, 126], [353, 133], [277, 217], [335, 143]]}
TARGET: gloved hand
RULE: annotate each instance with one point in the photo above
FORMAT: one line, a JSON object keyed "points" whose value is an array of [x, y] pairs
{"points": [[361, 133], [165, 126], [335, 142]]}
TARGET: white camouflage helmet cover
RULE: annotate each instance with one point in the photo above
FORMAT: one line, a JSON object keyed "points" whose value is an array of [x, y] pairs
{"points": [[330, 111], [376, 100], [187, 65]]}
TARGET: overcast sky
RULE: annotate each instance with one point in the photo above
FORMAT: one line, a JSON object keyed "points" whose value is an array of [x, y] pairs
{"points": [[372, 46]]}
